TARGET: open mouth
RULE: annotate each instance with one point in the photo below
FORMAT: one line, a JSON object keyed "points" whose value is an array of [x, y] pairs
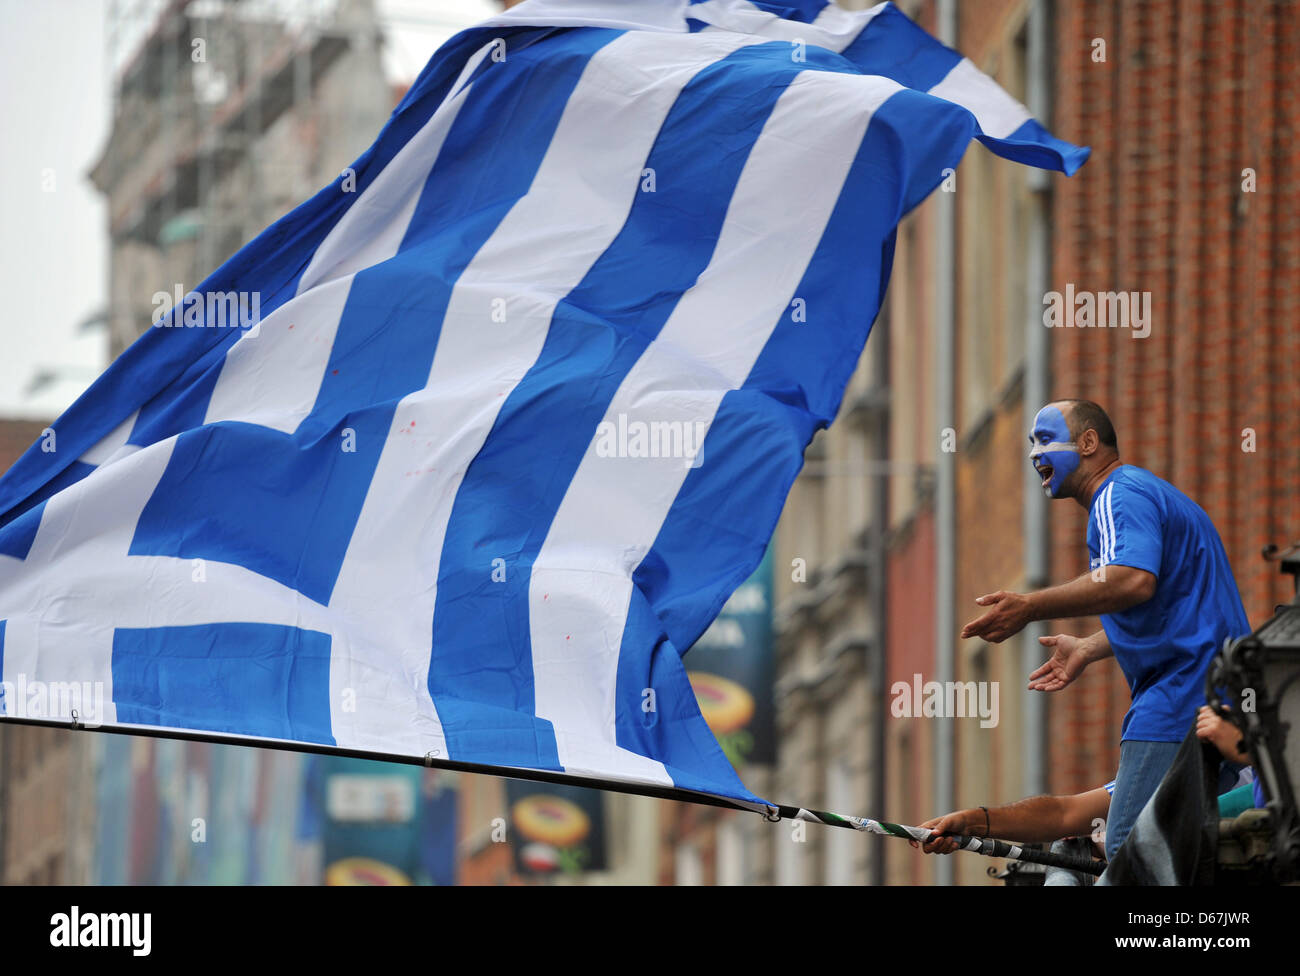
{"points": [[1045, 472]]}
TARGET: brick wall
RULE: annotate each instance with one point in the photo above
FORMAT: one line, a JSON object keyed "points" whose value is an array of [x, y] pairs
{"points": [[909, 766], [1191, 93]]}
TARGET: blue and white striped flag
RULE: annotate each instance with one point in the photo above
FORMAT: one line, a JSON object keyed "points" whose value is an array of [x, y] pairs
{"points": [[529, 386]]}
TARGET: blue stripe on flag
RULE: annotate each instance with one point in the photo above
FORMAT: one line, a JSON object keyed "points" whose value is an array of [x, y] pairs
{"points": [[184, 404], [925, 150], [18, 530], [248, 481], [278, 516], [674, 731], [250, 679], [894, 46], [754, 447], [508, 499], [717, 529], [1034, 145], [800, 11]]}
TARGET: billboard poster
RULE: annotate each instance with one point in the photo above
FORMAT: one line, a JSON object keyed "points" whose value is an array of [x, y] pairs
{"points": [[379, 823], [731, 667], [555, 828]]}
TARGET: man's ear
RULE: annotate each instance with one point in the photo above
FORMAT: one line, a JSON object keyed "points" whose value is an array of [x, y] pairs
{"points": [[1088, 442]]}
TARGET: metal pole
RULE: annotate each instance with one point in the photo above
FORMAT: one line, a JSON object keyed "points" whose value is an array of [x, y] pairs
{"points": [[987, 846], [945, 469], [1037, 371], [879, 567], [5, 760]]}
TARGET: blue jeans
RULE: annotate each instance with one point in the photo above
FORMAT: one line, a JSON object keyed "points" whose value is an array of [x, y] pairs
{"points": [[1142, 765]]}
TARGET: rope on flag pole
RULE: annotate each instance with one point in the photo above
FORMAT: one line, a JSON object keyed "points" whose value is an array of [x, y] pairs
{"points": [[987, 846]]}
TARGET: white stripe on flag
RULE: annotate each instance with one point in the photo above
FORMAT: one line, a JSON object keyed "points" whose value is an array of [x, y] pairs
{"points": [[78, 583], [272, 377], [614, 507], [389, 579], [998, 113], [657, 15], [834, 28], [62, 600]]}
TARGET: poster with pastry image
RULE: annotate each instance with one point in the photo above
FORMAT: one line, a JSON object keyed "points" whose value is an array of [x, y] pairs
{"points": [[731, 671], [556, 829]]}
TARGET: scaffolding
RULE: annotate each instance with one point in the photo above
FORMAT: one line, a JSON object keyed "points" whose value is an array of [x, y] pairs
{"points": [[197, 86]]}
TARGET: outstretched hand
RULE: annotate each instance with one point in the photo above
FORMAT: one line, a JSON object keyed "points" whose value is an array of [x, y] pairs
{"points": [[1067, 662], [1007, 616]]}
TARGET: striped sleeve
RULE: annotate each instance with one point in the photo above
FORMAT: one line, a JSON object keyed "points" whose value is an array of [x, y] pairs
{"points": [[1128, 528]]}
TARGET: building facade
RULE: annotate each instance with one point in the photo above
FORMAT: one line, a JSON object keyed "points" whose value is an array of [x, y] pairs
{"points": [[224, 120], [920, 498]]}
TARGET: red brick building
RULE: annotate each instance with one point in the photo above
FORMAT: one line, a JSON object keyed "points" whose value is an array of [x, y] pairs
{"points": [[1189, 201], [1191, 195]]}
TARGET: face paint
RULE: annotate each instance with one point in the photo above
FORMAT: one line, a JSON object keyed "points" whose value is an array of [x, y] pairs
{"points": [[1054, 455]]}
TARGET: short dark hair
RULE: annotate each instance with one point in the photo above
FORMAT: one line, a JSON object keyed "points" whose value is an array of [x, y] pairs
{"points": [[1086, 415]]}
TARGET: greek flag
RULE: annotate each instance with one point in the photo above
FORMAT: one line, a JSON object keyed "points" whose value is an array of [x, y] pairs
{"points": [[523, 396]]}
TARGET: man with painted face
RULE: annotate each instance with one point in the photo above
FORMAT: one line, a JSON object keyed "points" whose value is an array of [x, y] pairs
{"points": [[1159, 580]]}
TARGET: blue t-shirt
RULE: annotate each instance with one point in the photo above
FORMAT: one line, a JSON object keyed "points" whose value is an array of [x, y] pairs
{"points": [[1164, 645]]}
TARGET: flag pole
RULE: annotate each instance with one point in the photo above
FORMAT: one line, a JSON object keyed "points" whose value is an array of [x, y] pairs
{"points": [[978, 845], [987, 846]]}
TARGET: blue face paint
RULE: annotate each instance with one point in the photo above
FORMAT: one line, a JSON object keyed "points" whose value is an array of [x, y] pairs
{"points": [[1054, 449]]}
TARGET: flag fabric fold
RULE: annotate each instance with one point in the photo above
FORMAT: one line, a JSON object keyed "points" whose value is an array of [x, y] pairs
{"points": [[527, 389]]}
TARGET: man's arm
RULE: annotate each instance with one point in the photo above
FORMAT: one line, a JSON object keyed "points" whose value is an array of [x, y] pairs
{"points": [[1117, 588], [1036, 819]]}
